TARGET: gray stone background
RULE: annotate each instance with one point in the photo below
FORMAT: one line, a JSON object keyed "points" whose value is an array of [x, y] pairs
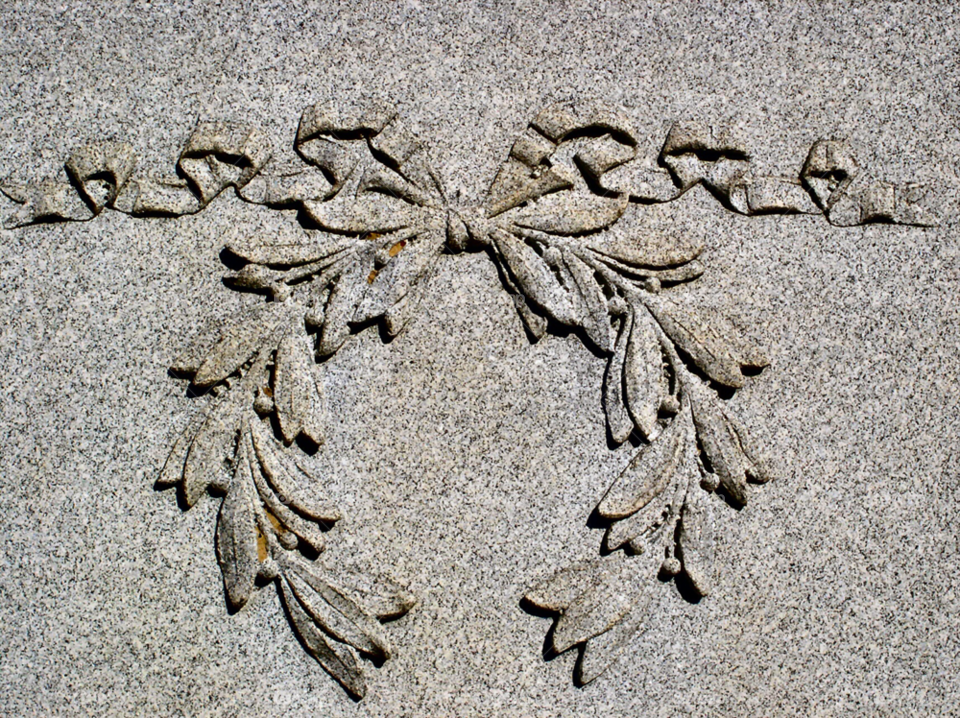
{"points": [[464, 458]]}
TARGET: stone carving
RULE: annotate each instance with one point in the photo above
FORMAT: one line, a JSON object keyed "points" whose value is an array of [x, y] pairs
{"points": [[562, 222]]}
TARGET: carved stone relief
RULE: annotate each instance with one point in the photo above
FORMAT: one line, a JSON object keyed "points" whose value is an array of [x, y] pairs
{"points": [[563, 221]]}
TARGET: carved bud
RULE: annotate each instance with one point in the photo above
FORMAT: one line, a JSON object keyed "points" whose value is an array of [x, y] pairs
{"points": [[313, 319], [670, 404], [253, 277], [617, 305], [710, 482], [551, 255], [671, 566], [263, 404]]}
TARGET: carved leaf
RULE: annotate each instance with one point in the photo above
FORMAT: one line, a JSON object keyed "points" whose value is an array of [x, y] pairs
{"points": [[569, 213], [561, 589], [640, 242], [192, 356], [172, 471], [744, 351], [595, 317], [345, 295], [603, 650], [618, 418], [297, 390], [684, 273], [534, 278], [658, 519], [720, 442], [335, 612], [313, 424], [399, 316], [371, 212], [647, 475], [282, 519], [648, 251], [696, 540], [313, 247], [337, 659], [642, 374], [535, 323], [701, 342], [285, 477], [603, 604], [239, 343], [655, 519], [673, 275], [255, 277], [378, 594], [212, 445], [409, 259], [237, 536], [759, 467]]}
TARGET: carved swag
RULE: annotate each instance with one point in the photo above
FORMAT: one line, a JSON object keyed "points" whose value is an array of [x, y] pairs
{"points": [[562, 222]]}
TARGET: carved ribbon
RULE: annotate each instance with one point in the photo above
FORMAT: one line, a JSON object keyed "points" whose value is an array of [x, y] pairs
{"points": [[228, 154], [216, 156]]}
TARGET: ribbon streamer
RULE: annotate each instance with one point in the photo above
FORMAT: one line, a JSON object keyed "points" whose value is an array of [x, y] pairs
{"points": [[216, 156], [227, 154], [830, 181]]}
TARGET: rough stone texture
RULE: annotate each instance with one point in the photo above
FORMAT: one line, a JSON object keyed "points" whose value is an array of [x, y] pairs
{"points": [[463, 459]]}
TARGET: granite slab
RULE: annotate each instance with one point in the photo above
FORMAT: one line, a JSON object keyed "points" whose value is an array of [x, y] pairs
{"points": [[752, 205]]}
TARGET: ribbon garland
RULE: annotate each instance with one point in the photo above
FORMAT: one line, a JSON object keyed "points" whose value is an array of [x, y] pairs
{"points": [[219, 155]]}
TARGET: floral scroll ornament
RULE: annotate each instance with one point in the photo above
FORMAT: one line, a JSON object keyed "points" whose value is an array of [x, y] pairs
{"points": [[563, 222]]}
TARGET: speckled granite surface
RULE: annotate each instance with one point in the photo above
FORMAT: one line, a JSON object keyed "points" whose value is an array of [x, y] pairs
{"points": [[465, 459]]}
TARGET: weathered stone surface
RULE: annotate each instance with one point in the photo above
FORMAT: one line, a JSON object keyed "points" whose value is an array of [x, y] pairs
{"points": [[466, 337]]}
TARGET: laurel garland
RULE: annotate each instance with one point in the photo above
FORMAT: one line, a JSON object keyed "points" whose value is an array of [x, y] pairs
{"points": [[560, 222]]}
